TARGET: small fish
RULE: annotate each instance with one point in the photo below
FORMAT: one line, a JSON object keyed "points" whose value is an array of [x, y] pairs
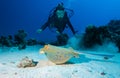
{"points": [[58, 55]]}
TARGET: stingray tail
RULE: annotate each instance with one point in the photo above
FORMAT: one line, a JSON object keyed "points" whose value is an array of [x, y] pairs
{"points": [[98, 54]]}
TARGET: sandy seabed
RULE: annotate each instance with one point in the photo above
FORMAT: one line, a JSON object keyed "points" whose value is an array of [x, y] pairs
{"points": [[87, 66]]}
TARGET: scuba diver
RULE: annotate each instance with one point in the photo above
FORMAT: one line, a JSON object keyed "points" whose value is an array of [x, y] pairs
{"points": [[58, 19]]}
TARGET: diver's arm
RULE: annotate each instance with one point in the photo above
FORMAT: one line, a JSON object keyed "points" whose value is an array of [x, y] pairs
{"points": [[44, 26], [70, 25]]}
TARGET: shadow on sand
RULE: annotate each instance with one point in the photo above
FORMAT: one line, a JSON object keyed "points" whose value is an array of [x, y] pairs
{"points": [[84, 59]]}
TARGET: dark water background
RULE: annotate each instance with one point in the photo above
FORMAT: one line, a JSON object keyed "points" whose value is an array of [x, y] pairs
{"points": [[32, 14]]}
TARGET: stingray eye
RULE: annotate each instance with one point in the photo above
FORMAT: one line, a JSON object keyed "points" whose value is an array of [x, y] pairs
{"points": [[46, 47]]}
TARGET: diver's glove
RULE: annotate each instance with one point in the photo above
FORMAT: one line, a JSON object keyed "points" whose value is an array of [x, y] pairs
{"points": [[39, 30], [58, 32]]}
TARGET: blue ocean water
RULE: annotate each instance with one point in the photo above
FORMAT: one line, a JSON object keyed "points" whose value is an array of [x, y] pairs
{"points": [[32, 14]]}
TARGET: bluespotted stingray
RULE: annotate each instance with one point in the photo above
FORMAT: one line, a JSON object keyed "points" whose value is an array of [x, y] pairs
{"points": [[58, 55]]}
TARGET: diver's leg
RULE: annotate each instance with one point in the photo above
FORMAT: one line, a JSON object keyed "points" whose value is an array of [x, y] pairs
{"points": [[62, 39]]}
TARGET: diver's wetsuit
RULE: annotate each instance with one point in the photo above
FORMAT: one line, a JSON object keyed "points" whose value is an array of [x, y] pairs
{"points": [[60, 24]]}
